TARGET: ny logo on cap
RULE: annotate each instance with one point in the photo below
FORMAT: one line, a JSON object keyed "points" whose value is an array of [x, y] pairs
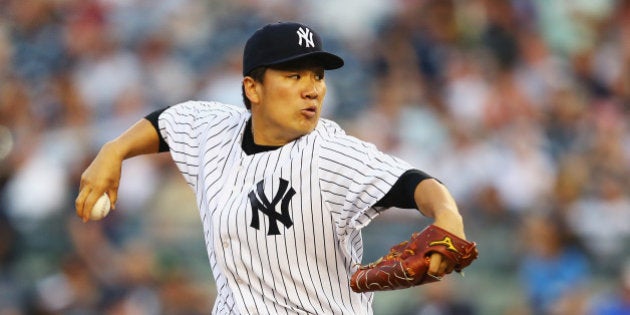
{"points": [[307, 35]]}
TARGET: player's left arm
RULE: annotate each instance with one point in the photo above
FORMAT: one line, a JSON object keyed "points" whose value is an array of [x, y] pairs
{"points": [[416, 189], [435, 201]]}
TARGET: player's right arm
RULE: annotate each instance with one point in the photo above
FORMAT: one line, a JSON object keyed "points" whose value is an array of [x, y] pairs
{"points": [[103, 174]]}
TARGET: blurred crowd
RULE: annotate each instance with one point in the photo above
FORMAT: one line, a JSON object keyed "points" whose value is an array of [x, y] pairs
{"points": [[521, 107]]}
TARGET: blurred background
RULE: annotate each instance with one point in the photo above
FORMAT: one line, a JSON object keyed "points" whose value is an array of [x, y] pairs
{"points": [[521, 107]]}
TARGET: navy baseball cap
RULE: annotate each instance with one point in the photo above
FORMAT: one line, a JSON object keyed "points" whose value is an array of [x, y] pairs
{"points": [[281, 42]]}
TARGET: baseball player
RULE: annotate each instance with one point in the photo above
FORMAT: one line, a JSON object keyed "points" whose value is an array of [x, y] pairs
{"points": [[282, 193]]}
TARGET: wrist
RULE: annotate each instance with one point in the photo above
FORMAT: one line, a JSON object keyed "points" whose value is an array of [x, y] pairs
{"points": [[451, 221], [115, 148]]}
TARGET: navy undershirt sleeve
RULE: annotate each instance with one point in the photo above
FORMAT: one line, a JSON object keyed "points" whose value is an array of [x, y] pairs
{"points": [[401, 195], [153, 119]]}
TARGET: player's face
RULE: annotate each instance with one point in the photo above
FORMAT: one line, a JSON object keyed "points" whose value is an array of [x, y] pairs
{"points": [[289, 104]]}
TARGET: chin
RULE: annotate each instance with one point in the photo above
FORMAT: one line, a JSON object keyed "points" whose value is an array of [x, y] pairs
{"points": [[310, 127]]}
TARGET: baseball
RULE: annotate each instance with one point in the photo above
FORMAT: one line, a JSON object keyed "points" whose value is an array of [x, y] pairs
{"points": [[101, 208]]}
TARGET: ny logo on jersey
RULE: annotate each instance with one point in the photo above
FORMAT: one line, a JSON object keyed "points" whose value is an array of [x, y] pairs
{"points": [[307, 36], [260, 203]]}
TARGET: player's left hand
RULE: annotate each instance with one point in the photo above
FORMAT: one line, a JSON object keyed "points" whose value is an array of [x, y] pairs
{"points": [[440, 265], [425, 258]]}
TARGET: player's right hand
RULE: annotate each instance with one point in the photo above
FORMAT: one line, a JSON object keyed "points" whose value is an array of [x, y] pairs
{"points": [[102, 175]]}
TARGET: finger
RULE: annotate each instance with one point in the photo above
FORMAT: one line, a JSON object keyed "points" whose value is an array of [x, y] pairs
{"points": [[434, 265], [441, 268], [444, 267], [79, 202], [112, 193]]}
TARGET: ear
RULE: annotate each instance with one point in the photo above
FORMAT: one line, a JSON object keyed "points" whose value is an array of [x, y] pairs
{"points": [[251, 91]]}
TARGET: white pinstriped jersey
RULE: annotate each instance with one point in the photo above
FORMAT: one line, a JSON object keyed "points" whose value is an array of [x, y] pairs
{"points": [[282, 227]]}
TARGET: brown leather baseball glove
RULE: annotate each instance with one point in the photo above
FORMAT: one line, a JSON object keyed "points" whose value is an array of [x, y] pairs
{"points": [[407, 263]]}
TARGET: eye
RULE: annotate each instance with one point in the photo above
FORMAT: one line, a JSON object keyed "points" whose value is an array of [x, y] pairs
{"points": [[319, 74], [294, 76]]}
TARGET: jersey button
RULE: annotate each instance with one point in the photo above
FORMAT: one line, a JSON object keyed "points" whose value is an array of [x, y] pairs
{"points": [[226, 244]]}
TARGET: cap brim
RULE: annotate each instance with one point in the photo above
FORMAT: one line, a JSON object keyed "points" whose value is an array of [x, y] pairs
{"points": [[327, 60]]}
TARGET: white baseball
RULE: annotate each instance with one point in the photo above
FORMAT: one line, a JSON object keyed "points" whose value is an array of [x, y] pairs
{"points": [[101, 208]]}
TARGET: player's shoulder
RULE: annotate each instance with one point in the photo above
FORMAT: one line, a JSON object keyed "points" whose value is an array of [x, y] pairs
{"points": [[214, 107], [332, 134], [203, 111], [328, 129]]}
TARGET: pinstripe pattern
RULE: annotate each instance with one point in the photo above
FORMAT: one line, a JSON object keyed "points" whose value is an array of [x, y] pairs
{"points": [[305, 269]]}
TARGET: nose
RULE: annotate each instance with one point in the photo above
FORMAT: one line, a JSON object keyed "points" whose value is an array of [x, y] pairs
{"points": [[313, 87], [311, 92]]}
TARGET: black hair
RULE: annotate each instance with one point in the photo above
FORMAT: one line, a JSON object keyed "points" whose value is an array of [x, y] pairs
{"points": [[257, 74]]}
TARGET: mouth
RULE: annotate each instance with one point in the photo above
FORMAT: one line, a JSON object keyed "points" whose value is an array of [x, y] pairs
{"points": [[310, 111]]}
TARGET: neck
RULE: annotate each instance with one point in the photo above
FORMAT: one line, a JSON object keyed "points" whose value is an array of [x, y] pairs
{"points": [[264, 135], [248, 144]]}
